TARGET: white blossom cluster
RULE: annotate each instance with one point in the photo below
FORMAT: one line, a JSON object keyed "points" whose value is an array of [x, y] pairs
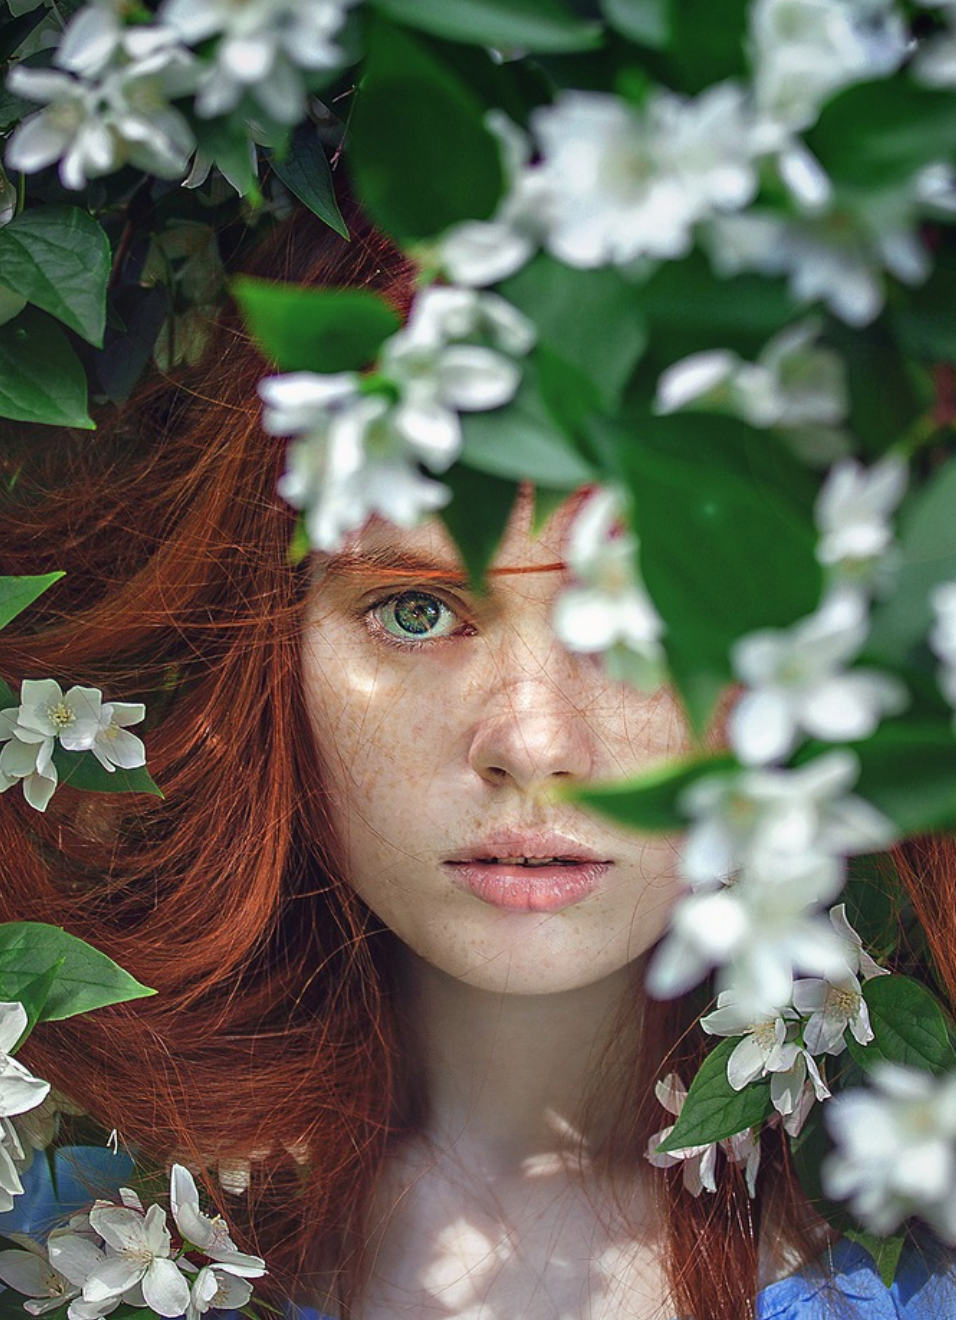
{"points": [[21, 1095], [108, 99], [360, 441], [124, 1254], [605, 182], [700, 1162], [79, 719], [796, 387], [789, 1043], [896, 1149], [608, 609]]}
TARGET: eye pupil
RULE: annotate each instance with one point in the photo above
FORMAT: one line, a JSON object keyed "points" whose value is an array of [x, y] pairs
{"points": [[417, 614]]}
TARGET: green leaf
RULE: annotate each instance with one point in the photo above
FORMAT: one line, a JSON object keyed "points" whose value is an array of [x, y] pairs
{"points": [[86, 978], [590, 319], [927, 548], [908, 771], [7, 696], [420, 153], [323, 330], [305, 171], [708, 41], [58, 258], [35, 994], [83, 770], [884, 402], [520, 442], [886, 1251], [648, 22], [650, 802], [724, 520], [908, 1026], [477, 517], [878, 134], [713, 1110], [16, 593], [539, 26], [41, 379]]}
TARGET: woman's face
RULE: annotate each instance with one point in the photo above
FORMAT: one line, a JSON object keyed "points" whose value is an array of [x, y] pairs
{"points": [[447, 721]]}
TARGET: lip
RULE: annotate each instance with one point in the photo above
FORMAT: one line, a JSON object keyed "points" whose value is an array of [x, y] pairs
{"points": [[514, 887]]}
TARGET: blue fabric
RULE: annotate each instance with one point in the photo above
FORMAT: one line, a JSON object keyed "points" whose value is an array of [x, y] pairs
{"points": [[82, 1174]]}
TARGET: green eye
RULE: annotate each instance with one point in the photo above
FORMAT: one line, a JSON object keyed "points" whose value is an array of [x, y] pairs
{"points": [[416, 615]]}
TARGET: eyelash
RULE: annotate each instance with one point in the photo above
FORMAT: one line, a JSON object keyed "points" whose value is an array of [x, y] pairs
{"points": [[381, 634]]}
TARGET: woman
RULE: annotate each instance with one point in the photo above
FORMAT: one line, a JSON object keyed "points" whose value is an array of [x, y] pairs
{"points": [[399, 973]]}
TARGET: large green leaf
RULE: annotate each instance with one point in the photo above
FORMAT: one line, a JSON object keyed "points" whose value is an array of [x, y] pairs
{"points": [[323, 330], [878, 134], [58, 258], [86, 979], [908, 771], [16, 593], [41, 379], [83, 770], [477, 516], [539, 26], [713, 1110], [520, 442], [419, 149], [726, 536], [908, 1026], [927, 547], [650, 802], [305, 171], [590, 319], [708, 41]]}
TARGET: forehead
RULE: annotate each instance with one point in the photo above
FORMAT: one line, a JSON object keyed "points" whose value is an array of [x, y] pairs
{"points": [[523, 548]]}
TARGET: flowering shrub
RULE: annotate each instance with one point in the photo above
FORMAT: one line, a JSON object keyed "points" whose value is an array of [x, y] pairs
{"points": [[710, 273]]}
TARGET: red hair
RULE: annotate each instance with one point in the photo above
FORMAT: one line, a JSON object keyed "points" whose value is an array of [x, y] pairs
{"points": [[273, 1030]]}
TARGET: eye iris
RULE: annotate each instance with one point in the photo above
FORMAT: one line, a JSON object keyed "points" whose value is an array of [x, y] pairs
{"points": [[417, 614]]}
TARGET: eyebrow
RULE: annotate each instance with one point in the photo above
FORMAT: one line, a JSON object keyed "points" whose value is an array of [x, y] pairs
{"points": [[406, 565]]}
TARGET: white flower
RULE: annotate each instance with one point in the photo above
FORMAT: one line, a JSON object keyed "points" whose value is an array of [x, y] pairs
{"points": [[896, 1150], [208, 1234], [836, 255], [755, 816], [262, 46], [795, 385], [28, 764], [768, 1045], [610, 609], [805, 50], [832, 1005], [75, 1251], [797, 682], [360, 451], [853, 517], [758, 931], [216, 1289], [113, 744], [138, 1253], [626, 184], [700, 1162], [95, 127], [30, 1272], [19, 1089]]}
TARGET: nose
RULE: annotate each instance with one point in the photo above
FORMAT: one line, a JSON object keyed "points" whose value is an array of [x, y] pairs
{"points": [[533, 732]]}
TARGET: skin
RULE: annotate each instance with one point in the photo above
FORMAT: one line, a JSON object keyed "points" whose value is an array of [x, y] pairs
{"points": [[430, 747]]}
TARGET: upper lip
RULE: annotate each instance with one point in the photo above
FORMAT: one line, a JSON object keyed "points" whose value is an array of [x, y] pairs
{"points": [[535, 844]]}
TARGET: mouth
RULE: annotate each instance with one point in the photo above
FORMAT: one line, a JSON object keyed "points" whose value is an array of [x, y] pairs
{"points": [[529, 876]]}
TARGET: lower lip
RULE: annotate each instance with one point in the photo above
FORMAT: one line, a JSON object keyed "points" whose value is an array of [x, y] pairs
{"points": [[527, 888]]}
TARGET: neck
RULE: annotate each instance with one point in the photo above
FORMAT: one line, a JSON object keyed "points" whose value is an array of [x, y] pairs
{"points": [[505, 1076]]}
